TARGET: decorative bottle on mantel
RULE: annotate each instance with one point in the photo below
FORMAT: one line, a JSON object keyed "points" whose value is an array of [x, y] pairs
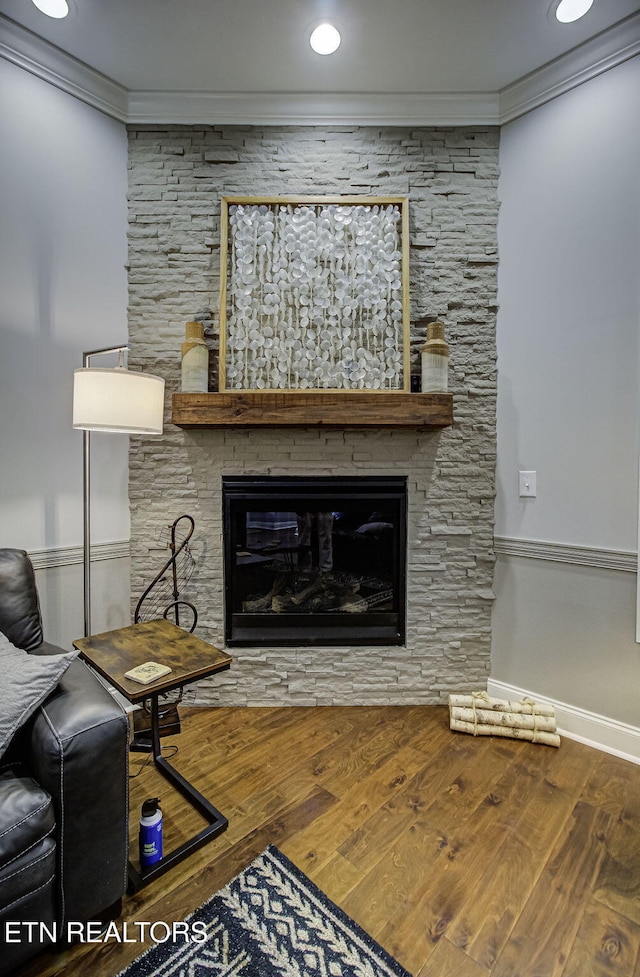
{"points": [[435, 360], [195, 360]]}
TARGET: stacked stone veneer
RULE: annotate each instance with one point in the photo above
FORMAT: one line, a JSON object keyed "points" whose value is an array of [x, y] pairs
{"points": [[177, 175]]}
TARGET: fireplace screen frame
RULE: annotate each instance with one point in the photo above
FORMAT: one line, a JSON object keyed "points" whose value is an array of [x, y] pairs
{"points": [[242, 494]]}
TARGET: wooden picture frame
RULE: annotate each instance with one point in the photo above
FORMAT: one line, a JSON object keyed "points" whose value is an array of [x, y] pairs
{"points": [[314, 294]]}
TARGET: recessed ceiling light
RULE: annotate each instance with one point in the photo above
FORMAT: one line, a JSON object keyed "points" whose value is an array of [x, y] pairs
{"points": [[569, 10], [325, 39], [52, 8]]}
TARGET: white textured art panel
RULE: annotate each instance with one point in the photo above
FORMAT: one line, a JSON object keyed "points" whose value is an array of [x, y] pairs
{"points": [[315, 297]]}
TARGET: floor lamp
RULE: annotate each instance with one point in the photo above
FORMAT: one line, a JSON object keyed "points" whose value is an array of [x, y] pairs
{"points": [[115, 399]]}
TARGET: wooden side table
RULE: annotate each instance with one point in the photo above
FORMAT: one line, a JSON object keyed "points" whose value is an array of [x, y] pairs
{"points": [[115, 652]]}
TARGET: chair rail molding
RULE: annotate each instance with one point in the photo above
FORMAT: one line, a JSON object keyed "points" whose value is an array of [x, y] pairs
{"points": [[64, 556], [600, 732], [587, 556]]}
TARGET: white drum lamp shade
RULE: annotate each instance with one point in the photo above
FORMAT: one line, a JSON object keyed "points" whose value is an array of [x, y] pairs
{"points": [[117, 400]]}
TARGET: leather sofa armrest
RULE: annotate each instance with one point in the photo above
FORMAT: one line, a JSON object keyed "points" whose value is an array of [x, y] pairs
{"points": [[45, 648], [79, 753]]}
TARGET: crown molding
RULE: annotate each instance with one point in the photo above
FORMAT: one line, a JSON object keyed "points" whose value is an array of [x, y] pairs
{"points": [[586, 556], [26, 50], [311, 108], [610, 48]]}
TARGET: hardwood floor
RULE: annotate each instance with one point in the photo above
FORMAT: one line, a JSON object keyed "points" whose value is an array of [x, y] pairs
{"points": [[464, 857]]}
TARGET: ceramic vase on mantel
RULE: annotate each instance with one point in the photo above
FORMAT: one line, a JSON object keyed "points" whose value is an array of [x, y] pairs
{"points": [[195, 360], [435, 360]]}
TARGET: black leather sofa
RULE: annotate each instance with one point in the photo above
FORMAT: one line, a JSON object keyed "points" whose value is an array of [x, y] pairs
{"points": [[63, 793]]}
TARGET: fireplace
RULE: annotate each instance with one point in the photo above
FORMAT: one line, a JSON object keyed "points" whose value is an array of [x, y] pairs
{"points": [[314, 560]]}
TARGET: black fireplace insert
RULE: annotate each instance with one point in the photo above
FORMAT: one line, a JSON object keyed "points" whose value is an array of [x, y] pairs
{"points": [[314, 560]]}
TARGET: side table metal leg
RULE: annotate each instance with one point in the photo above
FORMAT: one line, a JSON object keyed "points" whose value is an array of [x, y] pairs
{"points": [[217, 822], [155, 728]]}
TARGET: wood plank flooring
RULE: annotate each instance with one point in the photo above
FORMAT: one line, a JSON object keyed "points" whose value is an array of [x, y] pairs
{"points": [[464, 857]]}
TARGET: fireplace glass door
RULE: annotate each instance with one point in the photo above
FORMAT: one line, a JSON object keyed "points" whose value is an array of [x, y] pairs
{"points": [[314, 561]]}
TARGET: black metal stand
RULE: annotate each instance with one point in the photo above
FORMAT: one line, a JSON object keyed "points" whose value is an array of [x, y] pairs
{"points": [[138, 878]]}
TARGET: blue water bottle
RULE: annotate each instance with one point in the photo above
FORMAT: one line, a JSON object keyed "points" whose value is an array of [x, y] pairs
{"points": [[150, 833]]}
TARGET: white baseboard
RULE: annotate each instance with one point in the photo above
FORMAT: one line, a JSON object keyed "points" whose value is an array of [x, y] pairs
{"points": [[608, 735]]}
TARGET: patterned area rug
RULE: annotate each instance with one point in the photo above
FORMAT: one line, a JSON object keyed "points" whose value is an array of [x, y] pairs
{"points": [[270, 921]]}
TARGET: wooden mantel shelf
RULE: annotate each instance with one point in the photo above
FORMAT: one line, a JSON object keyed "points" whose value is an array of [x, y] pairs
{"points": [[335, 409]]}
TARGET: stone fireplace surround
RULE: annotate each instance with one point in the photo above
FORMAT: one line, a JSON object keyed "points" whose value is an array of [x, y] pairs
{"points": [[177, 175]]}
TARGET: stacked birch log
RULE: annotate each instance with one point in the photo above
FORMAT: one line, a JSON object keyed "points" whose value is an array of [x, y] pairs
{"points": [[482, 716]]}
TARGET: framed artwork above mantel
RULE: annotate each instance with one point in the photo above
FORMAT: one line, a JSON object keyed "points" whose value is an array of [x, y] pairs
{"points": [[314, 294]]}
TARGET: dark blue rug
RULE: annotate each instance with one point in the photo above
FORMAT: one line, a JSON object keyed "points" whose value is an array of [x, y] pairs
{"points": [[269, 921]]}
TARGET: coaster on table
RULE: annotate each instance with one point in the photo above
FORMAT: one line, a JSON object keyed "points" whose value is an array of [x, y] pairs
{"points": [[146, 673]]}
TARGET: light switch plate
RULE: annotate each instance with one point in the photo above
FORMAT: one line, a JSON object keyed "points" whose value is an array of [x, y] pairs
{"points": [[527, 484]]}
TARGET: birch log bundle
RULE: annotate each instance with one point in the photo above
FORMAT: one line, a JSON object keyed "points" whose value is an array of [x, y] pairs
{"points": [[480, 715]]}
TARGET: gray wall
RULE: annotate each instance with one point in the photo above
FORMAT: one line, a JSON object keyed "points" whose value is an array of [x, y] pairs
{"points": [[63, 287], [177, 175], [569, 396]]}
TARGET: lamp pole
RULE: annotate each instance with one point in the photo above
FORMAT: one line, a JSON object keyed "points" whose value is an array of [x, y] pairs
{"points": [[86, 492]]}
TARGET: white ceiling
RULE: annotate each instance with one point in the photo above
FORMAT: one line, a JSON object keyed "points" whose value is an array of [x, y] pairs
{"points": [[442, 48]]}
